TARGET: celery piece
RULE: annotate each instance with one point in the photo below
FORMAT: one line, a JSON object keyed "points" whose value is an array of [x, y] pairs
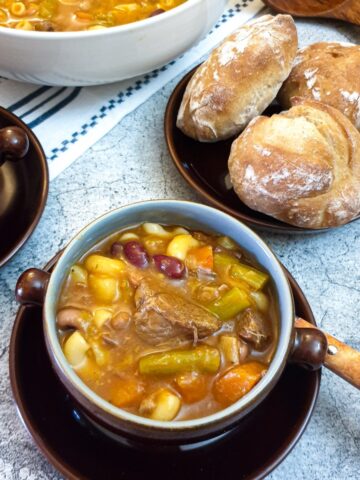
{"points": [[230, 304], [250, 275], [227, 242], [223, 261], [202, 358], [240, 271]]}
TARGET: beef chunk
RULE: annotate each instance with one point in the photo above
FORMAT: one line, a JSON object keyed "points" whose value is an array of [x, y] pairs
{"points": [[253, 327], [163, 316]]}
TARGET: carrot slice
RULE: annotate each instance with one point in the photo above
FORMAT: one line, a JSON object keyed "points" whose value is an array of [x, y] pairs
{"points": [[201, 257], [237, 381]]}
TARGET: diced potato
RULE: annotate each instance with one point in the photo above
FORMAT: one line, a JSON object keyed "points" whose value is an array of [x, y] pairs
{"points": [[261, 300], [237, 382], [180, 231], [192, 386], [180, 245], [128, 236], [155, 245], [230, 347], [88, 370], [101, 315], [78, 274], [161, 405], [100, 265], [101, 354], [75, 349], [105, 289], [126, 392], [156, 229]]}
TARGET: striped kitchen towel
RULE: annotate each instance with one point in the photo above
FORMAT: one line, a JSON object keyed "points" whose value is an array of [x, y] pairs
{"points": [[69, 120]]}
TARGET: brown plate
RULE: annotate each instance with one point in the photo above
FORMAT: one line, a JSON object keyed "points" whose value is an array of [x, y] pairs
{"points": [[23, 192], [204, 167], [261, 441]]}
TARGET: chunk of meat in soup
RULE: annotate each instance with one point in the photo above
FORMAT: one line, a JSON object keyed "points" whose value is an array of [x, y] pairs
{"points": [[253, 327], [162, 316]]}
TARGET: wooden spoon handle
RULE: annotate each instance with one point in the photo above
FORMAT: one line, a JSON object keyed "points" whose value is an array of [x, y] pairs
{"points": [[340, 358]]}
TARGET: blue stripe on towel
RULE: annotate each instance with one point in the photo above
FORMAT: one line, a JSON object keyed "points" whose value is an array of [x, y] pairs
{"points": [[54, 95], [28, 98], [56, 108]]}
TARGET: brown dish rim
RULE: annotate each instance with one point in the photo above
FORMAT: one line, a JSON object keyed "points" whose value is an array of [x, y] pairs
{"points": [[15, 120]]}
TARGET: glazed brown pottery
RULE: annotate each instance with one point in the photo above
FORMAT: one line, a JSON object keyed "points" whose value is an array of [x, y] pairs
{"points": [[23, 184], [348, 10], [204, 167], [79, 452]]}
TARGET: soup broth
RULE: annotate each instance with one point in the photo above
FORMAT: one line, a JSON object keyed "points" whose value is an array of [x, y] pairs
{"points": [[67, 15], [167, 323]]}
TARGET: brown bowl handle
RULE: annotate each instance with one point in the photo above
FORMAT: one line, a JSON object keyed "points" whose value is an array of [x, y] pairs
{"points": [[14, 144], [31, 287], [337, 356]]}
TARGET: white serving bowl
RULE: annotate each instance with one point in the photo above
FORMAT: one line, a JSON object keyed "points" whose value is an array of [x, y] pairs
{"points": [[105, 56]]}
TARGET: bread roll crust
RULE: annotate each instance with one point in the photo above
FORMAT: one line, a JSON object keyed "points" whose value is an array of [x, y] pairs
{"points": [[329, 73], [301, 166], [239, 80]]}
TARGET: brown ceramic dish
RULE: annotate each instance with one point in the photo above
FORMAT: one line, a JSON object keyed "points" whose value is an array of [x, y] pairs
{"points": [[23, 191], [348, 10], [79, 452], [204, 167], [305, 346]]}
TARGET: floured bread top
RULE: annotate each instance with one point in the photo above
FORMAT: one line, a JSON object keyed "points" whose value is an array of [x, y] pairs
{"points": [[302, 166], [327, 72], [239, 80]]}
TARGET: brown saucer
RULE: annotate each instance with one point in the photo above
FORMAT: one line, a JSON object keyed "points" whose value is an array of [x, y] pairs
{"points": [[23, 192], [204, 167], [262, 440]]}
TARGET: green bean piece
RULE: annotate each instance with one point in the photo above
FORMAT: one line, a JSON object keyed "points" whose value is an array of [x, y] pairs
{"points": [[250, 275], [230, 304], [240, 271], [203, 359]]}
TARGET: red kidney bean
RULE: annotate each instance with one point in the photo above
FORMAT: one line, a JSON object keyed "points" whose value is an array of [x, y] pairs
{"points": [[136, 254], [116, 249], [170, 266]]}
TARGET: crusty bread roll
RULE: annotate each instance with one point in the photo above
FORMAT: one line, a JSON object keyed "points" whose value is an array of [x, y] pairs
{"points": [[329, 73], [301, 167], [239, 80]]}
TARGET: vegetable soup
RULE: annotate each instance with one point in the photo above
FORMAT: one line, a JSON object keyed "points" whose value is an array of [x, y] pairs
{"points": [[168, 323], [66, 15]]}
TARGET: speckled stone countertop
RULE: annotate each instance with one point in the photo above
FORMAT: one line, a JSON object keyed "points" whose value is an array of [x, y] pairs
{"points": [[132, 163]]}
